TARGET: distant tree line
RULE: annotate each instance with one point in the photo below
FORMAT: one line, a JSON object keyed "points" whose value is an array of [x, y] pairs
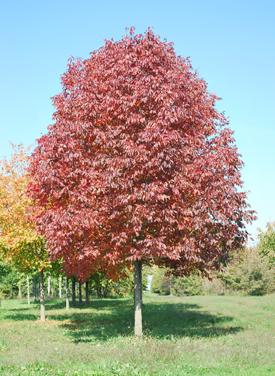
{"points": [[14, 284], [248, 272]]}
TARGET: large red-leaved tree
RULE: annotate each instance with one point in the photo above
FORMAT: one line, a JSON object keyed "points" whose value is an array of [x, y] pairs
{"points": [[138, 167]]}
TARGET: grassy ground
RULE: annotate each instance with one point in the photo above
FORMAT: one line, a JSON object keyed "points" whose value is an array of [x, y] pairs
{"points": [[206, 335]]}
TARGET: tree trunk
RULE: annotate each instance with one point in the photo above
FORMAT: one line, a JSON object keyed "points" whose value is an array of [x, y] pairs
{"points": [[138, 297], [42, 297], [28, 290], [87, 292], [67, 294], [140, 290], [98, 292], [35, 288], [60, 286], [19, 290], [73, 290], [80, 292], [49, 286]]}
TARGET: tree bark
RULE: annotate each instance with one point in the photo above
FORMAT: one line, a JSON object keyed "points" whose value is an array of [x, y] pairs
{"points": [[49, 286], [80, 292], [19, 290], [60, 286], [73, 290], [138, 297], [42, 297], [35, 288], [28, 290], [140, 289], [87, 292], [67, 294]]}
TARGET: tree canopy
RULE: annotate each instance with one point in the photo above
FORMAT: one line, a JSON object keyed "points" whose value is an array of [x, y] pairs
{"points": [[267, 242], [138, 164], [20, 244]]}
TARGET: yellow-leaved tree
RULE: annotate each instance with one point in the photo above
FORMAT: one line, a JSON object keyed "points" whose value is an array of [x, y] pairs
{"points": [[20, 244]]}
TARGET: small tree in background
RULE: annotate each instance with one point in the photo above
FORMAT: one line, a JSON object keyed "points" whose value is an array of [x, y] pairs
{"points": [[188, 285], [250, 273], [161, 281], [20, 245], [267, 243], [138, 168], [9, 281]]}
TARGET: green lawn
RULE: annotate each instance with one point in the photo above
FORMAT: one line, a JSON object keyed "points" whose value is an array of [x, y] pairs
{"points": [[202, 335]]}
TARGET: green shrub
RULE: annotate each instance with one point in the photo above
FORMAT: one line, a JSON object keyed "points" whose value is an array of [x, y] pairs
{"points": [[214, 286], [161, 281], [267, 243], [9, 279], [249, 273], [164, 283], [187, 285]]}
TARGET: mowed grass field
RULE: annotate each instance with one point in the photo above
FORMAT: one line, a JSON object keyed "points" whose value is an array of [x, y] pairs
{"points": [[202, 335]]}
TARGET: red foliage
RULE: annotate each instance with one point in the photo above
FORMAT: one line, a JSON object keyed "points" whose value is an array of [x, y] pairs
{"points": [[138, 164]]}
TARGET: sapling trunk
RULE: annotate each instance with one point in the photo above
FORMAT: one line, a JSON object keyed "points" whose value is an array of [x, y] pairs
{"points": [[73, 290], [60, 286], [49, 285], [80, 292], [67, 293], [138, 297], [36, 288], [19, 290], [87, 292], [42, 297], [28, 290]]}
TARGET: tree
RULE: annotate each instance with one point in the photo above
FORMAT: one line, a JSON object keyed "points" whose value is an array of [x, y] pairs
{"points": [[138, 166], [20, 244], [249, 272], [10, 280], [267, 242], [161, 281]]}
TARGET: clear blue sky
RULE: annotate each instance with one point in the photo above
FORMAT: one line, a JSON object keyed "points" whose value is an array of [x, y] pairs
{"points": [[231, 45]]}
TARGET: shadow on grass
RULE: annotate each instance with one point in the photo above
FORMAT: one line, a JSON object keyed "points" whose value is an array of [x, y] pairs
{"points": [[160, 321], [115, 318], [94, 303], [19, 316]]}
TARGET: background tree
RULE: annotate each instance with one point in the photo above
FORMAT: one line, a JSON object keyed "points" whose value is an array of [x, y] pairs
{"points": [[105, 287], [9, 281], [249, 272], [267, 242], [161, 281], [139, 167], [20, 244]]}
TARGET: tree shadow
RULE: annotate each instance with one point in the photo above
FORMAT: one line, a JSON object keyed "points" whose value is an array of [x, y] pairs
{"points": [[112, 318], [19, 316], [185, 320], [160, 321], [18, 309], [93, 303]]}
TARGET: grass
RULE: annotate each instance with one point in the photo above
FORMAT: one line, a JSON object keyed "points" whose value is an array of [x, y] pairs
{"points": [[202, 335]]}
